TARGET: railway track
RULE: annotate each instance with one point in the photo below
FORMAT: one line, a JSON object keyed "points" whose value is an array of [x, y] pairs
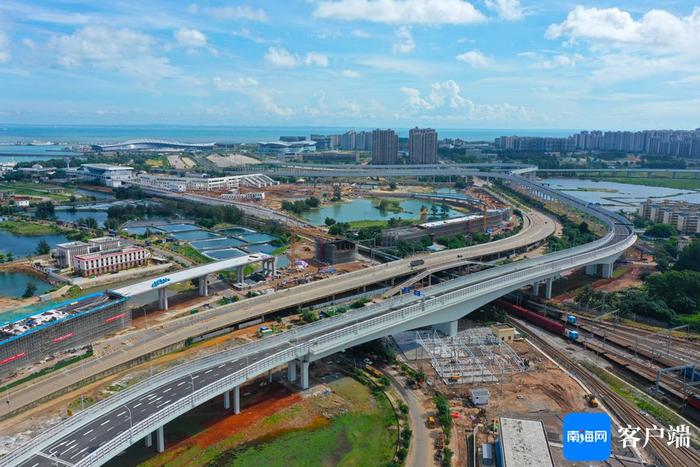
{"points": [[667, 456]]}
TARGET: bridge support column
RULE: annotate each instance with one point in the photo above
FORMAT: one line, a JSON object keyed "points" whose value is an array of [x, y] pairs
{"points": [[227, 400], [163, 298], [535, 289], [292, 371], [304, 375], [160, 440], [149, 440], [449, 328], [607, 271], [203, 287], [237, 400], [548, 288], [591, 269], [240, 273]]}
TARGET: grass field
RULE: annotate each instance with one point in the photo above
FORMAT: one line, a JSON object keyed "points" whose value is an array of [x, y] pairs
{"points": [[190, 252], [38, 189], [30, 228], [349, 440]]}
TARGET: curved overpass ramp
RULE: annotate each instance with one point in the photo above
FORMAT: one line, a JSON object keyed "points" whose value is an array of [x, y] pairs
{"points": [[99, 433]]}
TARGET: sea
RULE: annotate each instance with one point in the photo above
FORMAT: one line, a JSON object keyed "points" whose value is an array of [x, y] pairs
{"points": [[87, 134]]}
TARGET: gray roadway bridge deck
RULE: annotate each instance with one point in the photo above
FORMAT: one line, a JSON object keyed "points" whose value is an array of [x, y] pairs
{"points": [[102, 431]]}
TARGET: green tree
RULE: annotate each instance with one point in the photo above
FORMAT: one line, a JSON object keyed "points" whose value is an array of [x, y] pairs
{"points": [[329, 221], [45, 210], [10, 256], [661, 231], [30, 290], [689, 258], [43, 248], [392, 186]]}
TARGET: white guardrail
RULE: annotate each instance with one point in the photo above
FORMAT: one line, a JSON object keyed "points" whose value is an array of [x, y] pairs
{"points": [[358, 322]]}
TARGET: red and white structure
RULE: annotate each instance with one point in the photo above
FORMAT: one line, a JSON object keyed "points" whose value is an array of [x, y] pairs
{"points": [[92, 264]]}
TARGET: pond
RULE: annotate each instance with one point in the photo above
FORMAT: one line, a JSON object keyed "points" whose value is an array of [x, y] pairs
{"points": [[236, 231], [67, 215], [256, 237], [217, 243], [282, 261], [226, 253], [194, 235], [21, 246], [262, 248], [618, 195], [13, 284], [177, 227], [364, 209]]}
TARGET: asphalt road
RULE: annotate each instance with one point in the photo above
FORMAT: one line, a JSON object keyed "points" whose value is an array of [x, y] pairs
{"points": [[127, 347]]}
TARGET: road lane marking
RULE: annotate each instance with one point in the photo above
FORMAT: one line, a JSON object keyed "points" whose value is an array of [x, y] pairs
{"points": [[195, 377], [137, 405], [208, 371], [180, 384], [167, 390], [105, 422], [88, 432]]}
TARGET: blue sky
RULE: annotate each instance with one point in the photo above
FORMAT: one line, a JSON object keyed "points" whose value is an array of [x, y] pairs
{"points": [[445, 63]]}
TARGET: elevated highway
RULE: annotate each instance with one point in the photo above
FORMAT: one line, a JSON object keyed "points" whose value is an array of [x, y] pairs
{"points": [[100, 432], [123, 349]]}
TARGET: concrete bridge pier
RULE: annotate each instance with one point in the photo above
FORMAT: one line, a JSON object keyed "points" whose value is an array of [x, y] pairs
{"points": [[304, 367], [163, 298], [292, 371], [149, 440], [227, 399], [160, 440], [449, 328], [591, 269], [203, 286], [237, 400], [536, 289], [548, 288], [240, 273], [607, 271]]}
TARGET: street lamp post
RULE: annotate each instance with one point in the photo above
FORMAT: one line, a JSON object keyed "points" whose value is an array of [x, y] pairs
{"points": [[131, 425]]}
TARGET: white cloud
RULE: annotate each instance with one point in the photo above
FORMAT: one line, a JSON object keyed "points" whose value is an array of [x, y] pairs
{"points": [[4, 48], [475, 58], [360, 33], [510, 10], [350, 74], [447, 95], [250, 35], [191, 38], [415, 100], [237, 12], [551, 61], [282, 58], [237, 84], [317, 59], [404, 41], [123, 50], [401, 11], [656, 30], [273, 107]]}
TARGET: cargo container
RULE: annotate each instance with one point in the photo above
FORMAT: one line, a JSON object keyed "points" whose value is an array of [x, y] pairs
{"points": [[571, 319], [541, 321]]}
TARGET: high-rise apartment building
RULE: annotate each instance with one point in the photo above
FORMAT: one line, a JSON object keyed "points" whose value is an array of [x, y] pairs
{"points": [[422, 146], [347, 140], [385, 147]]}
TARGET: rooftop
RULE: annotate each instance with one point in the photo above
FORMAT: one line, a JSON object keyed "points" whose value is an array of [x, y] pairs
{"points": [[107, 167], [524, 442]]}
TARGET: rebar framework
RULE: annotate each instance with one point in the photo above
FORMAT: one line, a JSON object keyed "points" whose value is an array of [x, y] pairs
{"points": [[472, 356]]}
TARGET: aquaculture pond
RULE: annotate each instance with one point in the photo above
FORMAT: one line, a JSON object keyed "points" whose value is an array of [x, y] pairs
{"points": [[366, 209]]}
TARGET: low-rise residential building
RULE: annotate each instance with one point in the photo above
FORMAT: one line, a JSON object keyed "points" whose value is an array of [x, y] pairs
{"points": [[65, 252], [201, 183], [684, 216], [101, 262], [448, 227]]}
